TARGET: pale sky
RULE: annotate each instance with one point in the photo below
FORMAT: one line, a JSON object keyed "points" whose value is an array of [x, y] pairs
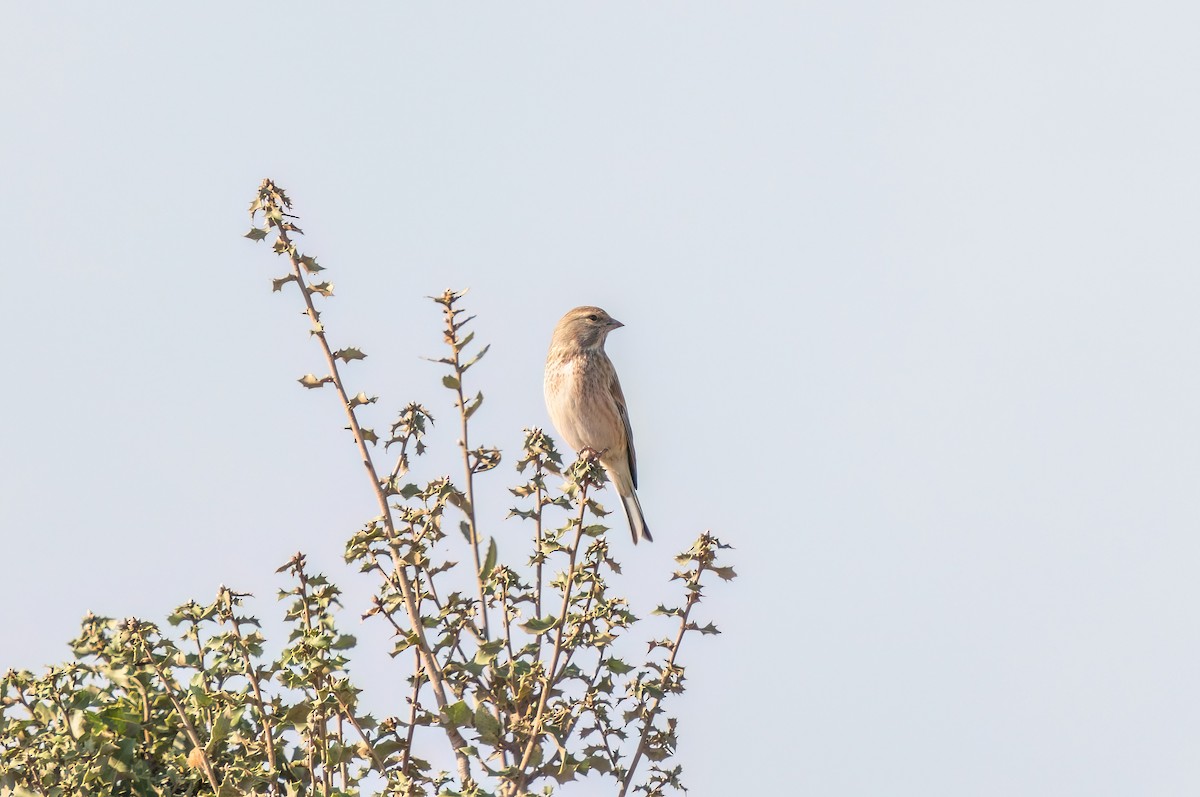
{"points": [[910, 294]]}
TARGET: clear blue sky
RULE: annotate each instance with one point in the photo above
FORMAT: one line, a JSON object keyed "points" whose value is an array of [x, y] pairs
{"points": [[910, 294]]}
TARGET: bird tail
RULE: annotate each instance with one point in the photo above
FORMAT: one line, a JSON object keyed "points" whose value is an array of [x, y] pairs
{"points": [[637, 521]]}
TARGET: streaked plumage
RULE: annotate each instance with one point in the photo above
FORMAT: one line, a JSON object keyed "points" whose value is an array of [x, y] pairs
{"points": [[587, 406]]}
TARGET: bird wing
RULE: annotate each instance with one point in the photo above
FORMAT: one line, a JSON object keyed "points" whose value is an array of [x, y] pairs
{"points": [[619, 398]]}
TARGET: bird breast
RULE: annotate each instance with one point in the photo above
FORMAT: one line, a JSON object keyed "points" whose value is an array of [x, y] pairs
{"points": [[579, 399]]}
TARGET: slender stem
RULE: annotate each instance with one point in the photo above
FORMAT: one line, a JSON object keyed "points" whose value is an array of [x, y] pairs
{"points": [[413, 702], [188, 728], [341, 738], [349, 715], [436, 680], [252, 676], [535, 734], [469, 470], [587, 607], [570, 729], [538, 547], [648, 721]]}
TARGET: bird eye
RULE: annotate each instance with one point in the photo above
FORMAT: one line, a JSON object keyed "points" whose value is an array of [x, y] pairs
{"points": [[593, 317]]}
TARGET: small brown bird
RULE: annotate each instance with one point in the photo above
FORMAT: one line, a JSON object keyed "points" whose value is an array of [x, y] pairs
{"points": [[587, 406]]}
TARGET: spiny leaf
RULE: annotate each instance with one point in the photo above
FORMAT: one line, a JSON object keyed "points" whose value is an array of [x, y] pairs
{"points": [[256, 234], [487, 725], [310, 380], [489, 561], [456, 715], [488, 651], [277, 284], [323, 288], [540, 625], [349, 353], [362, 398], [617, 667], [474, 404]]}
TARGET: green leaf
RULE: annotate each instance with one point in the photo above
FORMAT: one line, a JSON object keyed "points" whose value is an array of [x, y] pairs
{"points": [[298, 715], [256, 234], [349, 353], [724, 572], [488, 651], [487, 725], [220, 729], [617, 667], [456, 715], [78, 718], [489, 561], [228, 789], [404, 642], [450, 382], [540, 625], [474, 404], [477, 357]]}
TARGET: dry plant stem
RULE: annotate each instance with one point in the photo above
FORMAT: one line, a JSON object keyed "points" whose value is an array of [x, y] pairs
{"points": [[412, 714], [362, 734], [570, 728], [507, 625], [188, 728], [316, 731], [205, 714], [457, 741], [692, 600], [309, 760], [522, 774], [537, 530], [252, 676], [323, 739], [66, 717], [145, 713], [341, 739], [469, 472], [587, 607]]}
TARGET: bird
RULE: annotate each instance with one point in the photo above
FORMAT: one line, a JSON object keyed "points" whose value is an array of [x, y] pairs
{"points": [[587, 406]]}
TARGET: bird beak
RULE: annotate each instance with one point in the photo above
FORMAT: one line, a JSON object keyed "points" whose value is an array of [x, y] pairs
{"points": [[614, 323]]}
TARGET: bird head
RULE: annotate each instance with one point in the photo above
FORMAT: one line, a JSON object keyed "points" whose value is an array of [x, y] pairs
{"points": [[584, 328]]}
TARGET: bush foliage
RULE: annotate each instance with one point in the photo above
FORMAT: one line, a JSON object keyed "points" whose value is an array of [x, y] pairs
{"points": [[521, 673]]}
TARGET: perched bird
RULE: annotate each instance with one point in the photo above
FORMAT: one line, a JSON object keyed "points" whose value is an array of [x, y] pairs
{"points": [[587, 406]]}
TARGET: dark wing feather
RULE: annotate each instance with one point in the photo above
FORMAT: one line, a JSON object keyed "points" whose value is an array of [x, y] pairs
{"points": [[619, 397]]}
